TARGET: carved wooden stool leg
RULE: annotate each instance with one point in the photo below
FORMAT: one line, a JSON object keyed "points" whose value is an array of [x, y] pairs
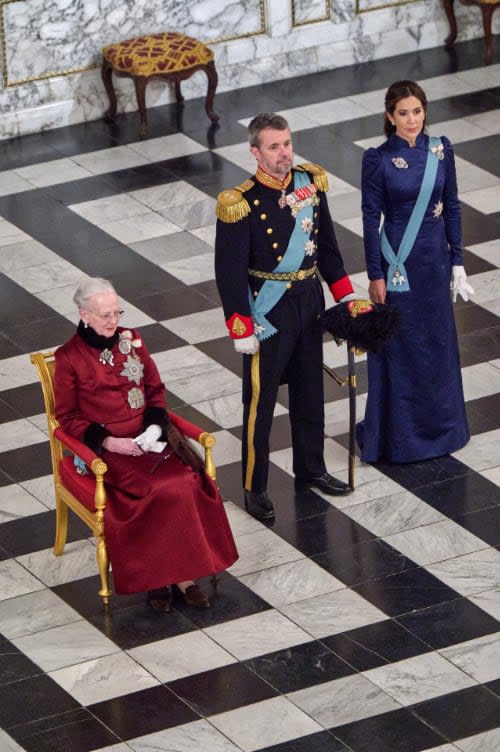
{"points": [[487, 11], [212, 85], [107, 78], [140, 92], [178, 94], [450, 14]]}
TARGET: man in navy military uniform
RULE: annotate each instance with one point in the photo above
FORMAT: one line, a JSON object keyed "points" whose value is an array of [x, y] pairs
{"points": [[274, 234]]}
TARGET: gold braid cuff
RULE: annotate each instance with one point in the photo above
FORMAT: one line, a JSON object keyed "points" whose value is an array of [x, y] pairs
{"points": [[319, 174]]}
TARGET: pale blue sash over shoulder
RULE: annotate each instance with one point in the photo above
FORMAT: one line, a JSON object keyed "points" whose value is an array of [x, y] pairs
{"points": [[272, 291], [397, 277]]}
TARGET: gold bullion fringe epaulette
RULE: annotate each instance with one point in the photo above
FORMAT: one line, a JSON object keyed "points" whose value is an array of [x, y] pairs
{"points": [[319, 174], [232, 205]]}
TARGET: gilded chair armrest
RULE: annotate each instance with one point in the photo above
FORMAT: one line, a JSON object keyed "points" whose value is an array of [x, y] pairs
{"points": [[187, 428], [92, 460]]}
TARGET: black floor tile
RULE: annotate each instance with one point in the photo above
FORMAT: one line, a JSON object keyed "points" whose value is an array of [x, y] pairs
{"points": [[32, 699], [494, 686], [375, 645], [159, 306], [482, 345], [370, 560], [158, 338], [328, 532], [475, 265], [36, 532], [222, 689], [405, 592], [461, 714], [416, 474], [397, 730], [27, 400], [485, 524], [14, 665], [26, 463], [299, 667], [482, 152], [459, 496], [474, 318], [449, 623], [77, 731], [222, 350], [143, 712]]}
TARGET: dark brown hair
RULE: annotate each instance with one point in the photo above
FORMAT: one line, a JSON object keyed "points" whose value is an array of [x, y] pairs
{"points": [[397, 91], [262, 121]]}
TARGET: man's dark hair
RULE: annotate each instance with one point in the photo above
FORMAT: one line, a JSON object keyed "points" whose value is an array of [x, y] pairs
{"points": [[262, 121]]}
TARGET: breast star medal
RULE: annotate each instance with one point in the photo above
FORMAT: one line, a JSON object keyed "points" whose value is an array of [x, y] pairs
{"points": [[135, 398], [438, 209], [133, 369]]}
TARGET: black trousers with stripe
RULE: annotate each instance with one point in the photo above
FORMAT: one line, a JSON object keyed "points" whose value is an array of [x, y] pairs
{"points": [[295, 356]]}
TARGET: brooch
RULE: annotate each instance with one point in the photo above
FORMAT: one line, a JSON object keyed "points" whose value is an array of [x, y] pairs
{"points": [[438, 151], [398, 278], [135, 398], [306, 224], [400, 163], [107, 357], [310, 247], [438, 209]]}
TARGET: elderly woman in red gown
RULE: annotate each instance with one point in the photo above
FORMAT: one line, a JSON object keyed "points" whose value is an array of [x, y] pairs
{"points": [[165, 521]]}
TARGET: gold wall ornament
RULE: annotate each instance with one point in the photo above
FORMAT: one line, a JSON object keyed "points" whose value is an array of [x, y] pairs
{"points": [[7, 82]]}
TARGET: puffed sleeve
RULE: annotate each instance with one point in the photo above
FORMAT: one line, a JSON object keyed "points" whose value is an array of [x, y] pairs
{"points": [[372, 205], [451, 206]]}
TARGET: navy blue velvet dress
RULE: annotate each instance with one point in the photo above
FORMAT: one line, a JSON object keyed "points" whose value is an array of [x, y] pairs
{"points": [[415, 408]]}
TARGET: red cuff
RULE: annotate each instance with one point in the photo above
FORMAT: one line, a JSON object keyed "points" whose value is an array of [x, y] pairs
{"points": [[240, 326], [341, 287]]}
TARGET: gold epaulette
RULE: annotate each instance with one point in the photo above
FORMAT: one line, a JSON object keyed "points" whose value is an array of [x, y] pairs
{"points": [[319, 174], [232, 205]]}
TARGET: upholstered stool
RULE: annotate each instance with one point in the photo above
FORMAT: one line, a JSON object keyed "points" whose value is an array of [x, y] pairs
{"points": [[487, 8], [168, 57]]}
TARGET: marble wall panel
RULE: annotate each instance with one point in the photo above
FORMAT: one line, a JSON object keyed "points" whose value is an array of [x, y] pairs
{"points": [[43, 38], [254, 41], [309, 11]]}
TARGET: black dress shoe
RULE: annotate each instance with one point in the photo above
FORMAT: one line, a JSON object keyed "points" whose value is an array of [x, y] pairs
{"points": [[326, 483], [259, 505], [160, 599]]}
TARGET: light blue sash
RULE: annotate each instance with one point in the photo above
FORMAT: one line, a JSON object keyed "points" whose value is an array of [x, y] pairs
{"points": [[272, 291], [397, 278]]}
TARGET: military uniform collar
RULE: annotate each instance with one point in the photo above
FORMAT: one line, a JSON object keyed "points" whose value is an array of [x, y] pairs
{"points": [[270, 182]]}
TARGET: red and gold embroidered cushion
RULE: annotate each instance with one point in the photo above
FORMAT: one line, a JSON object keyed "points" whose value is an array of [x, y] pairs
{"points": [[152, 54]]}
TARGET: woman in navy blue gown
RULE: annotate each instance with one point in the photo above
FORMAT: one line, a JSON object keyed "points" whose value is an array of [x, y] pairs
{"points": [[415, 408]]}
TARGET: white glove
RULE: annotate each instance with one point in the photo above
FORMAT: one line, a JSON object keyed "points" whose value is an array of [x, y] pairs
{"points": [[148, 438], [247, 345], [459, 284]]}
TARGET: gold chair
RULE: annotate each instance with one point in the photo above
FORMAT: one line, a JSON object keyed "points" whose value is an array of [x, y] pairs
{"points": [[86, 494]]}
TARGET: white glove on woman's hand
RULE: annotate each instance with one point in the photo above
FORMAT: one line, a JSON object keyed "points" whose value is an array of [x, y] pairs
{"points": [[459, 284], [148, 438], [247, 345]]}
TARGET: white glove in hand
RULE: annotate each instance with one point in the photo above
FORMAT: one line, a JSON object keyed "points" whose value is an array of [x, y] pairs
{"points": [[148, 438], [459, 284], [247, 345], [351, 296]]}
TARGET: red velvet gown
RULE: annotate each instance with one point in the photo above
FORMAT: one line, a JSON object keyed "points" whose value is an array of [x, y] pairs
{"points": [[164, 522]]}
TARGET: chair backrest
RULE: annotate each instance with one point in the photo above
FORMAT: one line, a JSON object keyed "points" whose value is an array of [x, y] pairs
{"points": [[45, 363]]}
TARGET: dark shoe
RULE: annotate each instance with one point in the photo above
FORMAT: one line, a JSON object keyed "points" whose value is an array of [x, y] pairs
{"points": [[259, 505], [326, 483], [160, 599], [194, 596]]}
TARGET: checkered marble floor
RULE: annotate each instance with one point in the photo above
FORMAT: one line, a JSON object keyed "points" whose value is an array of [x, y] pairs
{"points": [[361, 624]]}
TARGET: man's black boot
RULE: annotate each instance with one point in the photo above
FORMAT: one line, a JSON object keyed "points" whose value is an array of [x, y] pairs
{"points": [[259, 505]]}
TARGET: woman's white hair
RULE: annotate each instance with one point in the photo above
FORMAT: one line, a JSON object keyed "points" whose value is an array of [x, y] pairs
{"points": [[91, 286]]}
